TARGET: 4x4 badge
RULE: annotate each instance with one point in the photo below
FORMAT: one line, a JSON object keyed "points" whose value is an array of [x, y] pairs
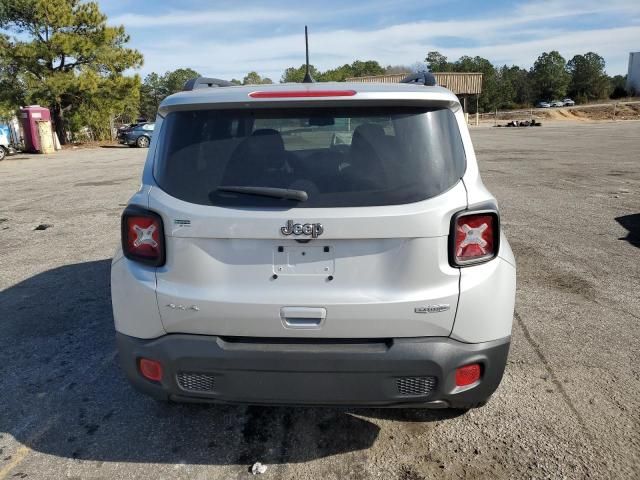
{"points": [[313, 229]]}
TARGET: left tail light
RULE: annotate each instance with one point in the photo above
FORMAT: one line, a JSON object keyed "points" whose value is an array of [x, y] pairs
{"points": [[474, 238], [143, 236]]}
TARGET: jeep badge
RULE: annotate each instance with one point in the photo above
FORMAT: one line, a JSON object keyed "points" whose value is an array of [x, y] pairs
{"points": [[313, 229]]}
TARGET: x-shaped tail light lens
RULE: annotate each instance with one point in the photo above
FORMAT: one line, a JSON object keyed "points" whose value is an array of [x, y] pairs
{"points": [[475, 238], [143, 236]]}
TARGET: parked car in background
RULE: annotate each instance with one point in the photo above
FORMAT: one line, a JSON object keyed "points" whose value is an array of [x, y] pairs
{"points": [[557, 103], [137, 135], [7, 146], [543, 104], [567, 102]]}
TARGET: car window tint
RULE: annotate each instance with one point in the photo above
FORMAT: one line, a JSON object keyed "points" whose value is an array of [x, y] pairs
{"points": [[341, 157]]}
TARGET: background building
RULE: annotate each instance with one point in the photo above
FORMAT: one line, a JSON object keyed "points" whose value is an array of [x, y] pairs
{"points": [[463, 85], [633, 75]]}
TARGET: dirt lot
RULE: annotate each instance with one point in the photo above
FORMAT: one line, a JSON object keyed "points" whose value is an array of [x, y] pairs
{"points": [[569, 405], [579, 113], [622, 111]]}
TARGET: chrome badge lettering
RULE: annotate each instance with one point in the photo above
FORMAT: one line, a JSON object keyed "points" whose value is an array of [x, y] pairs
{"points": [[173, 306], [310, 229], [443, 307]]}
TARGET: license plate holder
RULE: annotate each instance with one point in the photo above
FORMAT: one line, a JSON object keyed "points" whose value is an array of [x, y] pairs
{"points": [[303, 260]]}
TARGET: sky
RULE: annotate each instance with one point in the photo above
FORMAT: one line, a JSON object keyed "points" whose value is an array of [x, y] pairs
{"points": [[227, 39]]}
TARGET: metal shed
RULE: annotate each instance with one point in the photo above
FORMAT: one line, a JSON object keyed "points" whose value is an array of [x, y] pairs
{"points": [[458, 83], [463, 84]]}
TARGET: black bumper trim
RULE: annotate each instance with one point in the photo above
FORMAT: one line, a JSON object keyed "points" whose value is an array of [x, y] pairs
{"points": [[344, 373]]}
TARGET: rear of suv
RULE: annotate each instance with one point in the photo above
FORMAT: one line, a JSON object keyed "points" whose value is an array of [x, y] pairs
{"points": [[313, 244]]}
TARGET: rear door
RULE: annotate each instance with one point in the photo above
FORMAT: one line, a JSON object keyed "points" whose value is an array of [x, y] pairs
{"points": [[364, 256]]}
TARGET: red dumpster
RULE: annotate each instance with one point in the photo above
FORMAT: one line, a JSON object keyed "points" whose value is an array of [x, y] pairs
{"points": [[29, 116]]}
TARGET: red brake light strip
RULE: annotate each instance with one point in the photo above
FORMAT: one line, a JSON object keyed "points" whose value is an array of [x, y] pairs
{"points": [[302, 94]]}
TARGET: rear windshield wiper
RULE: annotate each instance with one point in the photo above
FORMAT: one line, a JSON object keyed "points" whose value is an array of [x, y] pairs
{"points": [[299, 195]]}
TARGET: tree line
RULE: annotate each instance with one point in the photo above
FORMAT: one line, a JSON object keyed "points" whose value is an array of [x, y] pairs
{"points": [[583, 78], [156, 87], [551, 77], [63, 55]]}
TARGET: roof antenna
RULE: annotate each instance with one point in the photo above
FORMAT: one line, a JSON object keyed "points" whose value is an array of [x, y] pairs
{"points": [[307, 75]]}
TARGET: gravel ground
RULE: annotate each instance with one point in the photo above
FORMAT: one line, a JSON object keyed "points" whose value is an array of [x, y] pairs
{"points": [[568, 406]]}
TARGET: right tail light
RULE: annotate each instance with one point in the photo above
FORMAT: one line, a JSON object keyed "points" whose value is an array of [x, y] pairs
{"points": [[474, 238]]}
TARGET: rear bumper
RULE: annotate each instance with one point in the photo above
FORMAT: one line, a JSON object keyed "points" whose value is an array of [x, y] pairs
{"points": [[392, 373]]}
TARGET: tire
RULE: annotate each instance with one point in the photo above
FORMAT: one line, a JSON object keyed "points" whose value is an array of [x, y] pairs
{"points": [[3, 153], [143, 142], [464, 408]]}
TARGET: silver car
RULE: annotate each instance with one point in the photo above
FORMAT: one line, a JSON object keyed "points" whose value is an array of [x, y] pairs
{"points": [[313, 244]]}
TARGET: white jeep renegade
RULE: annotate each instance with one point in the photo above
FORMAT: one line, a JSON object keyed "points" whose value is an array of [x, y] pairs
{"points": [[313, 244]]}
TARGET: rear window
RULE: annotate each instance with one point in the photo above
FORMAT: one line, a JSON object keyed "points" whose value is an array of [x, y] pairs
{"points": [[341, 157]]}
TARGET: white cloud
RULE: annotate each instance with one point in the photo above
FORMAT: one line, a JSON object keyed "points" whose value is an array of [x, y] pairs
{"points": [[209, 17], [572, 8], [250, 14], [516, 37]]}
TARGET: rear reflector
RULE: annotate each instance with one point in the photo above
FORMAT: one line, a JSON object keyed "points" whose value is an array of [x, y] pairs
{"points": [[303, 93], [475, 238], [150, 369], [143, 236], [468, 375]]}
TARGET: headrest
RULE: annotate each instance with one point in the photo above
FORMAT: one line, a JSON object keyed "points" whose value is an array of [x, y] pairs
{"points": [[369, 132], [267, 138]]}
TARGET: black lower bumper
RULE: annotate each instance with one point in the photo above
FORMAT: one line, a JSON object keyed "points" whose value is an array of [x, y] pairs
{"points": [[417, 372]]}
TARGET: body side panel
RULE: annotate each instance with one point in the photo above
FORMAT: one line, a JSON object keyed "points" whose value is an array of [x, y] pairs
{"points": [[133, 297], [487, 300]]}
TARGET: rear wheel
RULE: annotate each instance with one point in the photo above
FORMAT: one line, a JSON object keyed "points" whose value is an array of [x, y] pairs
{"points": [[3, 153], [143, 142]]}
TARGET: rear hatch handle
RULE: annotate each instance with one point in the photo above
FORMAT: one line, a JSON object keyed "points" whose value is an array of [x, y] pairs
{"points": [[303, 317]]}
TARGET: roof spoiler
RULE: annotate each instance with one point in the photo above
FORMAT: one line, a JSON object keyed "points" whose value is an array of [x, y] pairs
{"points": [[427, 79], [203, 82]]}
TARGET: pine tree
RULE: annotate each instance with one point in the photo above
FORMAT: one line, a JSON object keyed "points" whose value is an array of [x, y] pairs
{"points": [[69, 59]]}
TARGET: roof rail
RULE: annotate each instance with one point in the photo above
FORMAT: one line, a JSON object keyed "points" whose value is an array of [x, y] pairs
{"points": [[203, 82], [427, 79]]}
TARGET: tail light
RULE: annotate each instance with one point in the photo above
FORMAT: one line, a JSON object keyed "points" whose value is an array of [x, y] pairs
{"points": [[143, 236], [475, 237]]}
